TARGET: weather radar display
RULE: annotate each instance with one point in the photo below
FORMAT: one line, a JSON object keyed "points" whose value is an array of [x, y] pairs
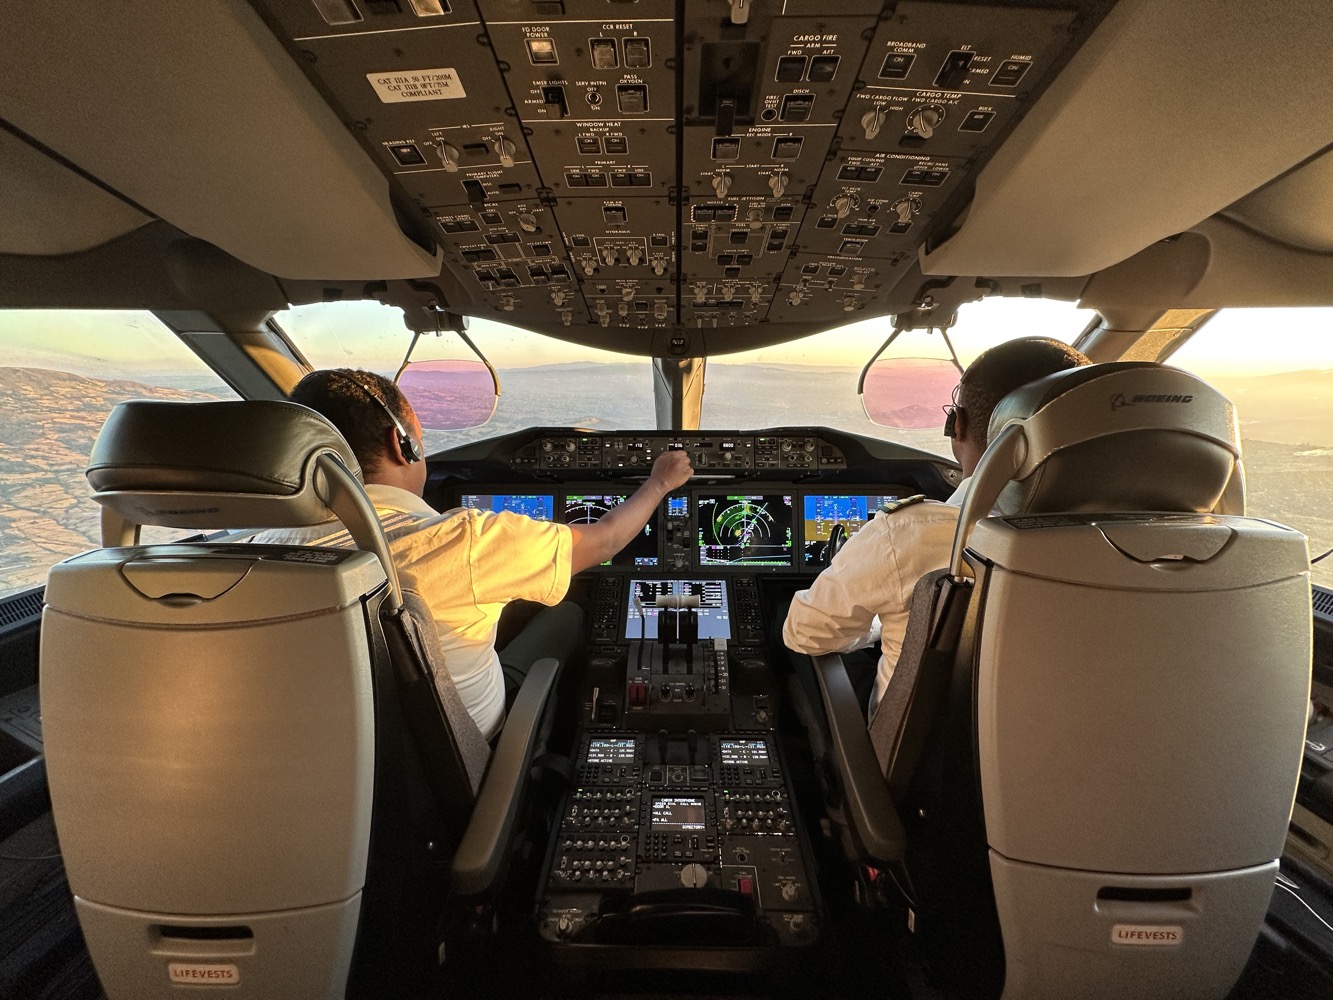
{"points": [[745, 530], [583, 508]]}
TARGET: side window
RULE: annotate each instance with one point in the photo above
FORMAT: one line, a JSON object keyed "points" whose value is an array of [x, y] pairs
{"points": [[63, 372], [1276, 365]]}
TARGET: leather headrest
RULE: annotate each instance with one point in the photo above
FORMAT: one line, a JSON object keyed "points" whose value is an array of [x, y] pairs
{"points": [[234, 464], [1119, 436]]}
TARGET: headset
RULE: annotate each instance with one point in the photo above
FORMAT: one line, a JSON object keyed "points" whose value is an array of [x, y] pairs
{"points": [[407, 444], [951, 414]]}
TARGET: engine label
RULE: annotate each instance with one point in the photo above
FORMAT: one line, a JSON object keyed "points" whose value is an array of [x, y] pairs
{"points": [[417, 85]]}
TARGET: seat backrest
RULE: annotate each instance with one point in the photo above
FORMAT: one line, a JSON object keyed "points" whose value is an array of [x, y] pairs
{"points": [[221, 718], [1137, 666]]}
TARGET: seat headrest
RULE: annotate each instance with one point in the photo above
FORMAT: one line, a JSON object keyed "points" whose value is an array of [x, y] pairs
{"points": [[1121, 436], [233, 464]]}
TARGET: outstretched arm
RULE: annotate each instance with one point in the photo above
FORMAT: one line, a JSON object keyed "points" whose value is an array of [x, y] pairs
{"points": [[596, 543]]}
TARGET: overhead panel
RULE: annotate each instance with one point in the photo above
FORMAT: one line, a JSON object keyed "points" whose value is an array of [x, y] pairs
{"points": [[623, 173], [762, 101], [593, 86]]}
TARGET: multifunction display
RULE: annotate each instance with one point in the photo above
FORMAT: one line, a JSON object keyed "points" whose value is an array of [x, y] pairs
{"points": [[745, 530], [538, 506], [584, 508], [744, 753], [678, 812], [824, 510], [648, 598], [612, 751]]}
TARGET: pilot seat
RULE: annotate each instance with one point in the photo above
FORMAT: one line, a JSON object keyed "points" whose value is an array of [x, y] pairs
{"points": [[261, 774], [1079, 779]]}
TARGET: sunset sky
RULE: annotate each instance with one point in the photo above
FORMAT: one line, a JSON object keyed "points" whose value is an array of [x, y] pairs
{"points": [[1235, 342]]}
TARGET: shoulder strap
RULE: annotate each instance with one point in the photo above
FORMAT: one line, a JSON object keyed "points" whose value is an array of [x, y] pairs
{"points": [[901, 502]]}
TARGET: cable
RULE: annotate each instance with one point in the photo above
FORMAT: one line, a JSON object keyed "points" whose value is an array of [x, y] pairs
{"points": [[1283, 882], [1321, 557]]}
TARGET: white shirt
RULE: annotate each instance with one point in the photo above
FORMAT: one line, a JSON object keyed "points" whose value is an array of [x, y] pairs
{"points": [[866, 592], [466, 565]]}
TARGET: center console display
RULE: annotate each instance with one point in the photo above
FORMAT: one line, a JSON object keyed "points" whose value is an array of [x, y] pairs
{"points": [[823, 511], [677, 812], [714, 615], [583, 508], [538, 506], [754, 530]]}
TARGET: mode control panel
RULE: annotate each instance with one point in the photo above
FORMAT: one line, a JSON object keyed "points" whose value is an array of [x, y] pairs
{"points": [[718, 453]]}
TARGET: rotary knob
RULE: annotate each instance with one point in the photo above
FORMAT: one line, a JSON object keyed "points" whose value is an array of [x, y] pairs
{"points": [[694, 876], [777, 183], [506, 148], [872, 121], [924, 120], [449, 155], [721, 183]]}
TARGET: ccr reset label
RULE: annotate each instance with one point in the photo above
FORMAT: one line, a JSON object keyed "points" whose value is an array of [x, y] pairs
{"points": [[203, 974], [1148, 934], [417, 85]]}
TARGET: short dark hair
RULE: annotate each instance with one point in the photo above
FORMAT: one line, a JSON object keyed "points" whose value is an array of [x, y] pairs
{"points": [[1002, 369], [350, 399]]}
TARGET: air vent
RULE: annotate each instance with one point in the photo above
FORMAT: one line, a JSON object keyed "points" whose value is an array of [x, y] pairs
{"points": [[1323, 603], [21, 609]]}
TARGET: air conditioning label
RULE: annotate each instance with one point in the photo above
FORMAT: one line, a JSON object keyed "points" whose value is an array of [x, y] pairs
{"points": [[1159, 935], [399, 86], [203, 974]]}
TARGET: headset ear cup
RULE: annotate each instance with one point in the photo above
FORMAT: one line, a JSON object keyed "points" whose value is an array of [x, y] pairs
{"points": [[411, 450], [949, 421]]}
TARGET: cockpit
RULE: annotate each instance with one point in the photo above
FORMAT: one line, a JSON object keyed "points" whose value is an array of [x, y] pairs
{"points": [[580, 235]]}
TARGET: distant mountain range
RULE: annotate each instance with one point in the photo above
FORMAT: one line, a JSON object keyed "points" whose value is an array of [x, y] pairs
{"points": [[49, 419]]}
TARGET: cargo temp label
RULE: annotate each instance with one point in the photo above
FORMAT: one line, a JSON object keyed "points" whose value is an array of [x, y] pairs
{"points": [[417, 85], [1148, 934]]}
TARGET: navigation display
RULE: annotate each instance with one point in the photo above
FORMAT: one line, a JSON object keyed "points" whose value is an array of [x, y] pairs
{"points": [[714, 617], [538, 506], [678, 812], [750, 530], [824, 510], [581, 508]]}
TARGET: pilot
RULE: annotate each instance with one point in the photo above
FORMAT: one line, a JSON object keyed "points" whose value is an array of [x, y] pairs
{"points": [[865, 593], [467, 565]]}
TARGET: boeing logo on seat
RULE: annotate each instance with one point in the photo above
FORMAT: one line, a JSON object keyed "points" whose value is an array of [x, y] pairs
{"points": [[1119, 400]]}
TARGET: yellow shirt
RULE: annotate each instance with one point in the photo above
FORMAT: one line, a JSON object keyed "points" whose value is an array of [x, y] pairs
{"points": [[467, 565]]}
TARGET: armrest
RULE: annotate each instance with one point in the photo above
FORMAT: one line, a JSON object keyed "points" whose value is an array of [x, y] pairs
{"points": [[485, 842], [872, 819]]}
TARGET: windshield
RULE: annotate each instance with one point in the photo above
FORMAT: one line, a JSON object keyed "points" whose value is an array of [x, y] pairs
{"points": [[542, 381], [811, 381], [1276, 366], [63, 373]]}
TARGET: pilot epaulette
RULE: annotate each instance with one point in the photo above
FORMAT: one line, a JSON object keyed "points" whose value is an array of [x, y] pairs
{"points": [[895, 505]]}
